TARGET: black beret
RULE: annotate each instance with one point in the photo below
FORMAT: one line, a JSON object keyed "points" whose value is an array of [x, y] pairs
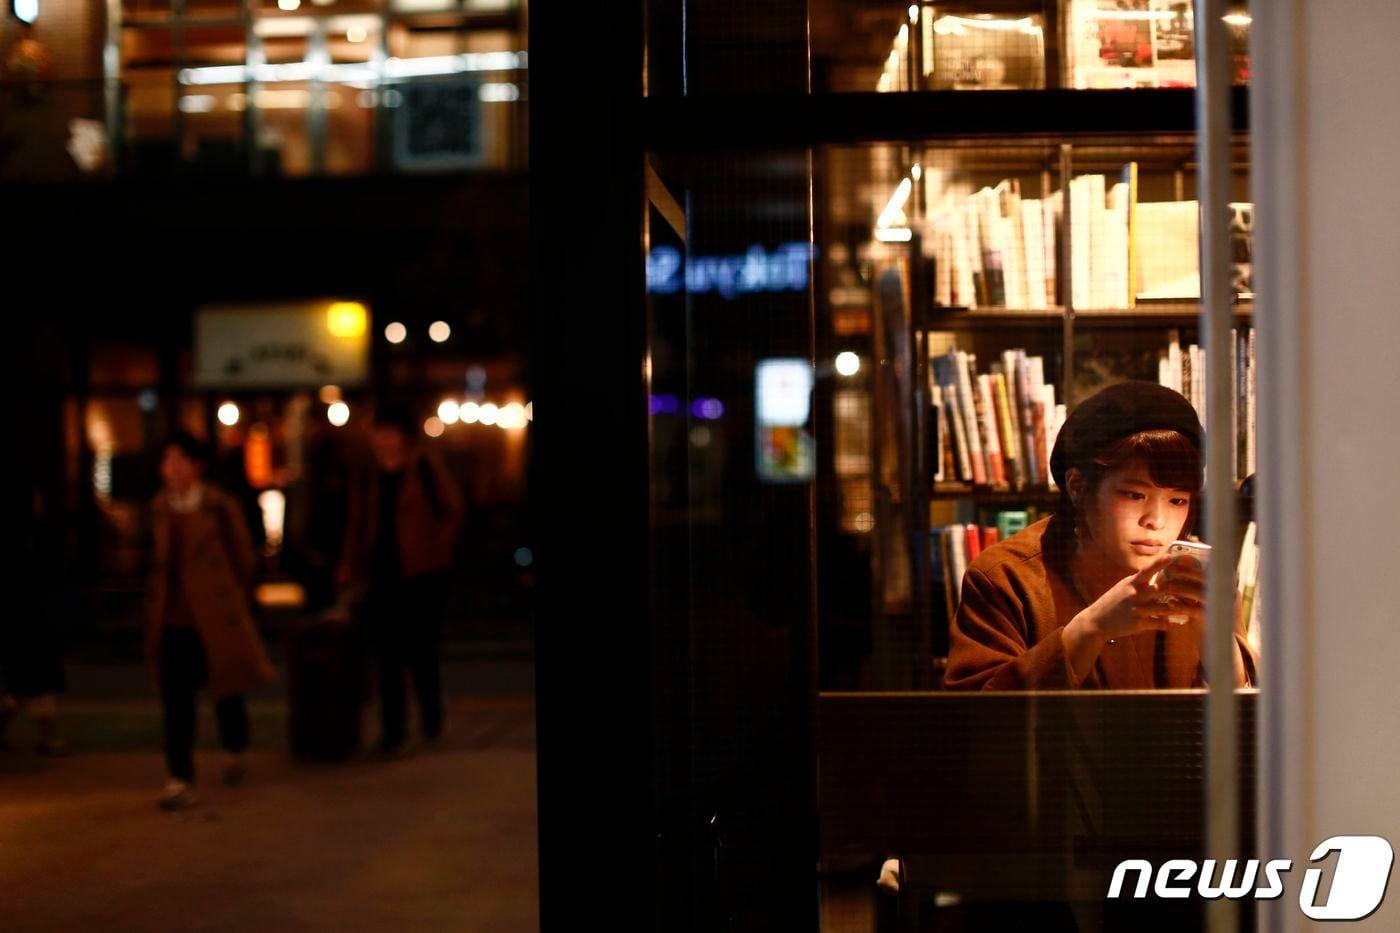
{"points": [[1116, 412]]}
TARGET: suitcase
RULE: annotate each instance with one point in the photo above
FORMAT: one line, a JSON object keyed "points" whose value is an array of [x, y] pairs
{"points": [[327, 679]]}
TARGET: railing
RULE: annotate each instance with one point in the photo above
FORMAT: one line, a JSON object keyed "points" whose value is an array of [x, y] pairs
{"points": [[66, 131]]}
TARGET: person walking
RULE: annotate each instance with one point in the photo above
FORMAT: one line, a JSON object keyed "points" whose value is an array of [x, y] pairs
{"points": [[401, 526], [31, 651], [200, 631]]}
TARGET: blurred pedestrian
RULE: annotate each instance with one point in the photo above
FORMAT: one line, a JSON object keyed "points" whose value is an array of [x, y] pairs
{"points": [[402, 523], [31, 656], [200, 630]]}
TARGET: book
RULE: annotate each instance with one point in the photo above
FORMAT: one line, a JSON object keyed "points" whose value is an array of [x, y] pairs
{"points": [[1025, 399], [950, 583], [1053, 208], [1036, 366], [1167, 251], [957, 544], [1011, 449], [1033, 236], [991, 434], [939, 448], [1130, 43], [1251, 406], [984, 52], [974, 542], [1242, 249], [1081, 263], [969, 413], [1011, 521], [1115, 248], [945, 374]]}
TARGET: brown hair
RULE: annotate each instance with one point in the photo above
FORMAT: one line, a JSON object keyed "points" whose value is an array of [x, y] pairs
{"points": [[1172, 462]]}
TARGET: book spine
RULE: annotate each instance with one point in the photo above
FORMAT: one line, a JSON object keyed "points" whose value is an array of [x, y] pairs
{"points": [[957, 542], [987, 414], [1033, 232], [960, 443], [940, 432], [1130, 178], [1174, 363], [969, 412], [950, 585], [1252, 405], [1011, 450], [1024, 397], [974, 542]]}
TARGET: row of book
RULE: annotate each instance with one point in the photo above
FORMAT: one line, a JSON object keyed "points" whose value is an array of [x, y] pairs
{"points": [[1184, 369], [995, 249], [995, 428], [955, 546]]}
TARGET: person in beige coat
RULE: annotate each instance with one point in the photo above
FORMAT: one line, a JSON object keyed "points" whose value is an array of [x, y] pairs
{"points": [[200, 631]]}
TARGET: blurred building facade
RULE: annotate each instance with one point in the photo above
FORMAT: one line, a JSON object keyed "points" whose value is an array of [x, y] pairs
{"points": [[315, 173]]}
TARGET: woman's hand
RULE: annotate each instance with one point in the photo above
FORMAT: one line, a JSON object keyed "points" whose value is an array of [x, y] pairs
{"points": [[1132, 605], [1183, 584]]}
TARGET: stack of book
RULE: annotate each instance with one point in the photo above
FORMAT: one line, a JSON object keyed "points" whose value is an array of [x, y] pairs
{"points": [[996, 428], [1184, 369]]}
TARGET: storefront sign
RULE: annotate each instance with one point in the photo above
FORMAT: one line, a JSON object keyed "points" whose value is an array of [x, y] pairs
{"points": [[294, 345], [758, 270]]}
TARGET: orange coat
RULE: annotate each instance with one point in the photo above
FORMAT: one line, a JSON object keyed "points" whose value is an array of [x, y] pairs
{"points": [[217, 561], [426, 535], [1016, 596]]}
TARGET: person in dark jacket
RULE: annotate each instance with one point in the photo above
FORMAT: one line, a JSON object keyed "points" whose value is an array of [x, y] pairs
{"points": [[401, 526]]}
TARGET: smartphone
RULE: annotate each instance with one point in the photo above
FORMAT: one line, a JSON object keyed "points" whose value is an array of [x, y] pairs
{"points": [[1190, 549], [1178, 549]]}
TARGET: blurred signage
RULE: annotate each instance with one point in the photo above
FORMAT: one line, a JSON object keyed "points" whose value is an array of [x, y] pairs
{"points": [[782, 270], [437, 124], [304, 344], [785, 449]]}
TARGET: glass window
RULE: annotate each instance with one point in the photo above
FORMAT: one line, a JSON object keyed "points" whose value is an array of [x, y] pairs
{"points": [[929, 414]]}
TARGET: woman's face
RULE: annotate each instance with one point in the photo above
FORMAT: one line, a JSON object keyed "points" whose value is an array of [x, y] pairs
{"points": [[177, 470], [1131, 520]]}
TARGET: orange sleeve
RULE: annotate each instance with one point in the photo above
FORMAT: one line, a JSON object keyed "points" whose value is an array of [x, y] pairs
{"points": [[989, 649]]}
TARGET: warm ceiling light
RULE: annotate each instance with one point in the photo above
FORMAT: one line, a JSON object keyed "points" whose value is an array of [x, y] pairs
{"points": [[439, 331], [395, 332]]}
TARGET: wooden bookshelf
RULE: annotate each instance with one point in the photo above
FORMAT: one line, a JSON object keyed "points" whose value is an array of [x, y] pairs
{"points": [[1147, 314], [994, 495]]}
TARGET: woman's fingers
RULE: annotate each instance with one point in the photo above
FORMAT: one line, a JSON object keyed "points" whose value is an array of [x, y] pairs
{"points": [[1144, 576]]}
